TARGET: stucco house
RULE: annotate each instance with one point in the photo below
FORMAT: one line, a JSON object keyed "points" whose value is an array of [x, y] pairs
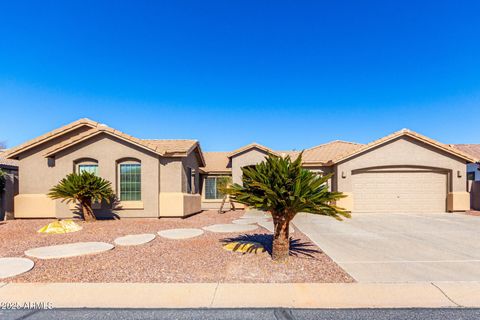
{"points": [[152, 178], [402, 172]]}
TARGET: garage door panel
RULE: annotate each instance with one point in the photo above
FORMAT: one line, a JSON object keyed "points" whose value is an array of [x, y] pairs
{"points": [[400, 191]]}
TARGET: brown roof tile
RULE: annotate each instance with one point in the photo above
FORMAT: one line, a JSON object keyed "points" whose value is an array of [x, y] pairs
{"points": [[325, 153], [216, 162], [471, 149], [7, 162]]}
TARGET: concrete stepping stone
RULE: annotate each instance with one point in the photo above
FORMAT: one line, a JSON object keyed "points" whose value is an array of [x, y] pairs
{"points": [[269, 226], [226, 228], [255, 214], [11, 267], [134, 239], [249, 220], [181, 233], [69, 250]]}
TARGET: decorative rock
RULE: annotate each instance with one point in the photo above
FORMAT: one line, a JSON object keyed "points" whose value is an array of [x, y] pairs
{"points": [[227, 228], [244, 247], [248, 220], [134, 239], [269, 226], [69, 250], [182, 233], [10, 267]]}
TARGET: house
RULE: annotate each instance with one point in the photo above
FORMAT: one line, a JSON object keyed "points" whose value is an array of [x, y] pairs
{"points": [[10, 169], [152, 178], [473, 173], [402, 172]]}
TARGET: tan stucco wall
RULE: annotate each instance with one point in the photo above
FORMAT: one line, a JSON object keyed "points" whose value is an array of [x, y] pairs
{"points": [[404, 152], [173, 197], [34, 206], [109, 151], [247, 158], [37, 175]]}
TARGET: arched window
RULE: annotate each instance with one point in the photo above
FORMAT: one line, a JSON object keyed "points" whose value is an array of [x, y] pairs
{"points": [[130, 182], [86, 164]]}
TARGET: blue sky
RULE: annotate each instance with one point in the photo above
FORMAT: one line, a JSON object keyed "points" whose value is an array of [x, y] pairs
{"points": [[287, 74]]}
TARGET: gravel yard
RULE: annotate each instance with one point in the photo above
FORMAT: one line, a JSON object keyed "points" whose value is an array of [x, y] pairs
{"points": [[199, 259]]}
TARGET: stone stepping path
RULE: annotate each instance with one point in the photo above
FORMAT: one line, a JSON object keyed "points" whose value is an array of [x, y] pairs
{"points": [[249, 220], [10, 267], [181, 233], [69, 250], [269, 226], [227, 228], [255, 214], [134, 239]]}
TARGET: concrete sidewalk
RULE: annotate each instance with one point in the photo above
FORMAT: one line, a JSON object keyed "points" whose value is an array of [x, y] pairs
{"points": [[241, 295]]}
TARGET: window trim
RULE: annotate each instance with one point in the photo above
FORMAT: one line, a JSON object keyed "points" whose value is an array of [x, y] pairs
{"points": [[216, 177], [131, 203]]}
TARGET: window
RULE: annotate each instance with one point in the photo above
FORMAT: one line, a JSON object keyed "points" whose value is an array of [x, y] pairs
{"points": [[470, 175], [190, 180], [92, 168], [130, 181], [213, 186]]}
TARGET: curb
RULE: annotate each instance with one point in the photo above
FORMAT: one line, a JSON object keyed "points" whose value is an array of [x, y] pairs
{"points": [[244, 295]]}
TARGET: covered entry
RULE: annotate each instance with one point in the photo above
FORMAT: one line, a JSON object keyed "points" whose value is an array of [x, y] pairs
{"points": [[400, 190]]}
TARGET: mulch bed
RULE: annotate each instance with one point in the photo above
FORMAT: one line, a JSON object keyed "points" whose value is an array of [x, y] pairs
{"points": [[200, 259]]}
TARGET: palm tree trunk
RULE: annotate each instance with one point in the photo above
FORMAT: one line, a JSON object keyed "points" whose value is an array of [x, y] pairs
{"points": [[87, 211], [281, 238]]}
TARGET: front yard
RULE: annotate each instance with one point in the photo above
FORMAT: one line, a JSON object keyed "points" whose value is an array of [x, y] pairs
{"points": [[199, 259]]}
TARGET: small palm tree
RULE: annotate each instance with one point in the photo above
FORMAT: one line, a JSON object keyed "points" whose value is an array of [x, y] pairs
{"points": [[83, 188], [282, 187]]}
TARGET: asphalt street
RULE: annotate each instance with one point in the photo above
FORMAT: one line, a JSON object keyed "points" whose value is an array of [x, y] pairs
{"points": [[243, 314]]}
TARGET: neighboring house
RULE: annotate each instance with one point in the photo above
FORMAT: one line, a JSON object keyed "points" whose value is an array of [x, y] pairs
{"points": [[473, 173], [402, 172], [10, 168], [152, 178]]}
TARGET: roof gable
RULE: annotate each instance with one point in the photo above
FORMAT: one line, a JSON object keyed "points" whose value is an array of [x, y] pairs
{"points": [[14, 152], [408, 133], [253, 145]]}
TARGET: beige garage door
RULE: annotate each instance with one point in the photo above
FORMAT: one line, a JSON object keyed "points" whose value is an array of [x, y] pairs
{"points": [[424, 191]]}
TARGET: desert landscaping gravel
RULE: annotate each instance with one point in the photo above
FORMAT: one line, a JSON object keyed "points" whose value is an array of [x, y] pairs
{"points": [[199, 259]]}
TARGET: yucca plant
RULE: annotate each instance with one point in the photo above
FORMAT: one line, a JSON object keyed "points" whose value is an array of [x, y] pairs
{"points": [[83, 188], [284, 188]]}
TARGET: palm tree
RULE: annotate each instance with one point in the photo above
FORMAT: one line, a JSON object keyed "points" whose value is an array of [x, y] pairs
{"points": [[282, 187], [83, 188]]}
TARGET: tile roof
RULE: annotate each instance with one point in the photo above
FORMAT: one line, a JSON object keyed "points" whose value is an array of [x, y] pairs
{"points": [[471, 149], [325, 153], [7, 162], [216, 162], [406, 132], [170, 148]]}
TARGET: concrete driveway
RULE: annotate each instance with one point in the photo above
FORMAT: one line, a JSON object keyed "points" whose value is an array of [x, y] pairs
{"points": [[399, 247]]}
